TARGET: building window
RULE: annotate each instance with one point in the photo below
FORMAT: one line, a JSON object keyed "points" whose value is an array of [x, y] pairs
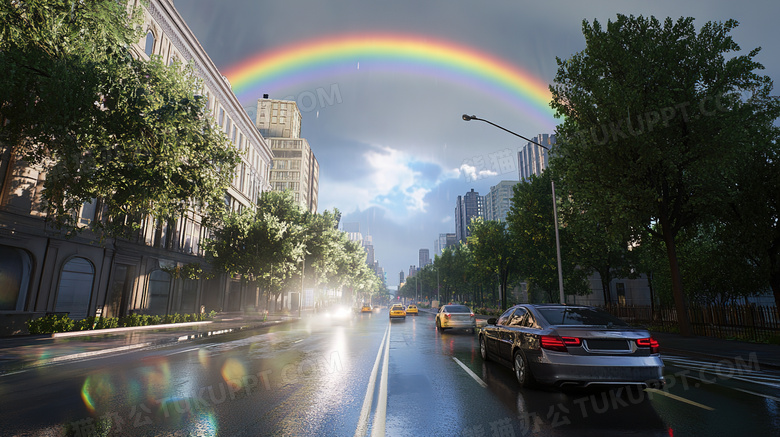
{"points": [[87, 214], [149, 48], [75, 288], [159, 288], [15, 268]]}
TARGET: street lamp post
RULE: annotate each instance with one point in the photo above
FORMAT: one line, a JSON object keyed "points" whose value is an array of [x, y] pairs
{"points": [[555, 206]]}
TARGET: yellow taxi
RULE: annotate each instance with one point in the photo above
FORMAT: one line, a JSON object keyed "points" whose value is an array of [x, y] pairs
{"points": [[412, 310], [397, 311], [366, 308]]}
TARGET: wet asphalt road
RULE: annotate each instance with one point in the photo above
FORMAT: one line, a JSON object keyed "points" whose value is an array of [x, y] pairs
{"points": [[364, 376]]}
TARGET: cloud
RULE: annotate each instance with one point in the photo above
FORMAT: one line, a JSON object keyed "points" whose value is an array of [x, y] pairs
{"points": [[387, 178], [471, 174]]}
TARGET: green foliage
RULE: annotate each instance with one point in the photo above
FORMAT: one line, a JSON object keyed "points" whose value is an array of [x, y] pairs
{"points": [[266, 245], [532, 228], [657, 117], [62, 323], [494, 252], [49, 323], [132, 134]]}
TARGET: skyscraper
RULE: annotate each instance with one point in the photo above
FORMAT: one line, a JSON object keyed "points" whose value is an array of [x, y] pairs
{"points": [[425, 257], [467, 208], [295, 168], [499, 200], [532, 159]]}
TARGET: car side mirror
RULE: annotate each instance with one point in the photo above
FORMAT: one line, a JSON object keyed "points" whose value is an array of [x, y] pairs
{"points": [[491, 321]]}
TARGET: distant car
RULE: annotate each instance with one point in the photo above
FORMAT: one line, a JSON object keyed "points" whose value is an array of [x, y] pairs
{"points": [[564, 345], [338, 313], [455, 316], [366, 308], [397, 311], [412, 309]]}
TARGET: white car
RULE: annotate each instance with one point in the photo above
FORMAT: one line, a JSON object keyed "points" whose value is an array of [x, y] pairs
{"points": [[455, 316]]}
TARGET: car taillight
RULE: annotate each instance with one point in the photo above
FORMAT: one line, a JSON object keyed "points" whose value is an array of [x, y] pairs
{"points": [[447, 315], [471, 315], [555, 343], [648, 342]]}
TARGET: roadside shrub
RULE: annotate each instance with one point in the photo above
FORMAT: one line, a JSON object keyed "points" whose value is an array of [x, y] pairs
{"points": [[107, 323], [50, 324]]}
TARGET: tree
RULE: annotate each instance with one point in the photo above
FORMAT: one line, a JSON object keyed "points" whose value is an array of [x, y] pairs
{"points": [[102, 124], [654, 116], [492, 248], [752, 217], [530, 223], [267, 244], [600, 247]]}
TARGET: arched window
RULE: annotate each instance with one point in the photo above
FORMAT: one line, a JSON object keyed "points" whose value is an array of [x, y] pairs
{"points": [[149, 48], [15, 267], [159, 288], [75, 288]]}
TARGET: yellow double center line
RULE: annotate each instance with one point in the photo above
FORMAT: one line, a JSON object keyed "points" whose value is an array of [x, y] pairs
{"points": [[378, 426]]}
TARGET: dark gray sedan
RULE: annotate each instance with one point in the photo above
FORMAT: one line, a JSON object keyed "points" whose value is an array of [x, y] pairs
{"points": [[571, 345]]}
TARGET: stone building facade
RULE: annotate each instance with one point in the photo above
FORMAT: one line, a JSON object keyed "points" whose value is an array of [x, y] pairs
{"points": [[42, 271]]}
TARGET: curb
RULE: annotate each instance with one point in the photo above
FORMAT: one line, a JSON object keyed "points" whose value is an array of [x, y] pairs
{"points": [[21, 366], [126, 328]]}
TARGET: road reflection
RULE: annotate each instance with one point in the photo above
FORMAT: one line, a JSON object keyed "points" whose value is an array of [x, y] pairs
{"points": [[581, 412]]}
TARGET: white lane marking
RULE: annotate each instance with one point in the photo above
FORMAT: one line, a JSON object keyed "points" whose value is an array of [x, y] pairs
{"points": [[297, 341], [471, 374], [94, 353], [83, 355], [380, 417], [757, 394], [679, 398], [365, 411], [182, 351]]}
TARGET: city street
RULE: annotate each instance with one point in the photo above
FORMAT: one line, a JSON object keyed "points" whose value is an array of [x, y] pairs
{"points": [[318, 377]]}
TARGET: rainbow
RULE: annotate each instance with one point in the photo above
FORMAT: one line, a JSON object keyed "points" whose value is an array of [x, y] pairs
{"points": [[316, 59]]}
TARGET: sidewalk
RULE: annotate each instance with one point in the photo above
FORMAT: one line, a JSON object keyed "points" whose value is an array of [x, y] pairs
{"points": [[766, 355], [24, 352]]}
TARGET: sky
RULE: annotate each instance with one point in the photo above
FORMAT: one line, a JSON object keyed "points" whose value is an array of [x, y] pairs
{"points": [[386, 125]]}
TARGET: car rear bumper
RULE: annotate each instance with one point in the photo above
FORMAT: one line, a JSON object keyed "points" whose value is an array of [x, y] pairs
{"points": [[559, 369], [459, 324]]}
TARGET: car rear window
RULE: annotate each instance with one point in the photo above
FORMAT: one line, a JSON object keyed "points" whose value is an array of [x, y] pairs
{"points": [[457, 309], [579, 316]]}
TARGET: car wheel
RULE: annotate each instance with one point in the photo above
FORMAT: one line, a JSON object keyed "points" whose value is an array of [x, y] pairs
{"points": [[483, 348], [522, 371], [438, 325]]}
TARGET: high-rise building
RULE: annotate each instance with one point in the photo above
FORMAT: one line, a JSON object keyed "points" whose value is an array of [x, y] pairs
{"points": [[351, 227], [499, 200], [295, 168], [401, 277], [467, 208], [425, 257], [532, 159], [444, 241]]}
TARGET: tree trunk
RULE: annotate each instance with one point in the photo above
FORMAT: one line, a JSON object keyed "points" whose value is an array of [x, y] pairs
{"points": [[677, 287], [774, 272], [605, 280]]}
